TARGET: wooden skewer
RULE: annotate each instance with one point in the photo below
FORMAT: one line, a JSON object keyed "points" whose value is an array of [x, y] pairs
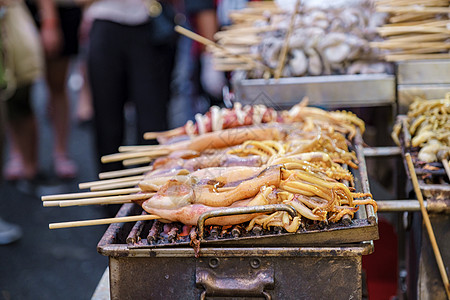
{"points": [[401, 57], [409, 17], [118, 185], [50, 203], [413, 9], [427, 22], [86, 185], [428, 226], [232, 67], [136, 161], [89, 194], [141, 147], [105, 200], [403, 45], [99, 200], [240, 40], [125, 172], [228, 60], [284, 49], [127, 155], [102, 221], [240, 30], [168, 133], [419, 37], [415, 51], [208, 42], [412, 2], [386, 31], [82, 202]]}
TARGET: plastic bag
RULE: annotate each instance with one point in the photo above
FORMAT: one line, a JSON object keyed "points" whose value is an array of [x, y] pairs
{"points": [[23, 59]]}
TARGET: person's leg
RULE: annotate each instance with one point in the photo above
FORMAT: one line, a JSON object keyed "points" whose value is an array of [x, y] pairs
{"points": [[149, 80], [8, 232], [59, 112], [84, 109], [107, 79], [22, 132]]}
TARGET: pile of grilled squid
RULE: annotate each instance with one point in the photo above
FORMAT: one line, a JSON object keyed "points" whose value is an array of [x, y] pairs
{"points": [[327, 37], [251, 156], [428, 126]]}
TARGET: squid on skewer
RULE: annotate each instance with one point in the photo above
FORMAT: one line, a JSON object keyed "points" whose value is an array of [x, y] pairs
{"points": [[218, 119]]}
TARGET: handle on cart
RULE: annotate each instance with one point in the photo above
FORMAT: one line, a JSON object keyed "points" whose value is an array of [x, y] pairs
{"points": [[231, 286]]}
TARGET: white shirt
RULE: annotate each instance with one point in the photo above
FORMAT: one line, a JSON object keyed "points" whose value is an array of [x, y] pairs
{"points": [[127, 12]]}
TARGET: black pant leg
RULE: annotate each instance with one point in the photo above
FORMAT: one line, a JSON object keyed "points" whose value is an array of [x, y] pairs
{"points": [[150, 69], [107, 76]]}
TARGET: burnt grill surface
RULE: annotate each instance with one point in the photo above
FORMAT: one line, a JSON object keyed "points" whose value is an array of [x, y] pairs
{"points": [[155, 233]]}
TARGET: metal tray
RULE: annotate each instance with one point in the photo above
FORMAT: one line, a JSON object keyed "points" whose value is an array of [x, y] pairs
{"points": [[326, 91], [428, 79], [424, 72]]}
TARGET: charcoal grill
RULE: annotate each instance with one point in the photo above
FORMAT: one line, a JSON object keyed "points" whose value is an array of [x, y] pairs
{"points": [[152, 260], [433, 180], [435, 187]]}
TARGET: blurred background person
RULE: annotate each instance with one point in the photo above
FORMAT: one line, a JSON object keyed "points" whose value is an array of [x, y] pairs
{"points": [[196, 84], [84, 109], [58, 22], [130, 59], [203, 16], [23, 65]]}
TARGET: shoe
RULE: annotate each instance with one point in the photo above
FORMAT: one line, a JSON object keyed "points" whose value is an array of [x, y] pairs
{"points": [[9, 233], [65, 168]]}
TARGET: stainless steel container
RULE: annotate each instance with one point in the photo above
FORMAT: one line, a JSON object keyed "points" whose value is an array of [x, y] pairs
{"points": [[327, 91], [270, 272], [429, 79]]}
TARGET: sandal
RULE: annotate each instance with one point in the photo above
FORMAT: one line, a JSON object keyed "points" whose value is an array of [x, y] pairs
{"points": [[65, 168], [14, 170]]}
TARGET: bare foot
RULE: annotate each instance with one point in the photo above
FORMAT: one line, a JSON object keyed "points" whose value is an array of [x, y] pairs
{"points": [[14, 169], [65, 168]]}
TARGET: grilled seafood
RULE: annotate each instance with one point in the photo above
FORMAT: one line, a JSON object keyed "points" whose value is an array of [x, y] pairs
{"points": [[220, 189], [218, 119], [297, 157], [428, 124], [189, 214]]}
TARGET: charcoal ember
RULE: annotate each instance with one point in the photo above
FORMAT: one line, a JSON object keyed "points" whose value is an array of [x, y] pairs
{"points": [[153, 234], [277, 229], [237, 231], [226, 231], [215, 231], [195, 243], [185, 230], [257, 229], [173, 233], [166, 229]]}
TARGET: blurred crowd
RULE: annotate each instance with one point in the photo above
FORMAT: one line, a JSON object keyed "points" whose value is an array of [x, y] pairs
{"points": [[128, 56]]}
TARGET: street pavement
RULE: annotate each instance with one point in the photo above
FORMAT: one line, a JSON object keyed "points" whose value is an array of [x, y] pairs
{"points": [[44, 263]]}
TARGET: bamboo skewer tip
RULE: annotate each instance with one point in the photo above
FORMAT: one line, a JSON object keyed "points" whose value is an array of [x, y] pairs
{"points": [[102, 221]]}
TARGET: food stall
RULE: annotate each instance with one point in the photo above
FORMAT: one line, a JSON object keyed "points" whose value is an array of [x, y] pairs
{"points": [[290, 213]]}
